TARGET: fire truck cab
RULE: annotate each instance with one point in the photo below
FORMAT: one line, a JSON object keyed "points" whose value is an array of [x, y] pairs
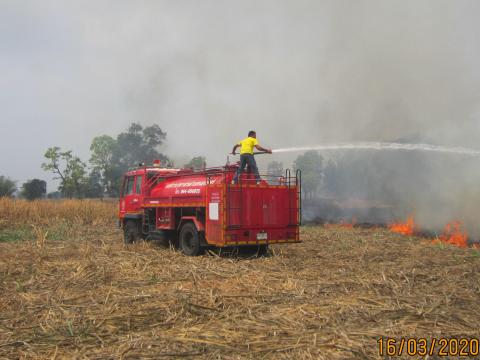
{"points": [[201, 209]]}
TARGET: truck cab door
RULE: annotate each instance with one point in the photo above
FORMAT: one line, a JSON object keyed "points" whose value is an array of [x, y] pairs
{"points": [[132, 195]]}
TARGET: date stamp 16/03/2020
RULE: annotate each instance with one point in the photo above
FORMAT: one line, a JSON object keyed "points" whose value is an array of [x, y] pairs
{"points": [[432, 347]]}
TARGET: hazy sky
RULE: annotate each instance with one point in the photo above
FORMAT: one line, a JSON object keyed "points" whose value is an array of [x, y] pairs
{"points": [[299, 72]]}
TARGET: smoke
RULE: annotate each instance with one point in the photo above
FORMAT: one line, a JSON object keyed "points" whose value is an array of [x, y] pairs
{"points": [[298, 72]]}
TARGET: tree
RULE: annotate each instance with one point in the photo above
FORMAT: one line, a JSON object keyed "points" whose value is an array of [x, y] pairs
{"points": [[7, 186], [69, 169], [34, 189], [93, 186], [311, 165], [103, 150], [197, 163], [76, 172], [153, 137], [139, 145], [54, 195], [332, 178], [112, 157]]}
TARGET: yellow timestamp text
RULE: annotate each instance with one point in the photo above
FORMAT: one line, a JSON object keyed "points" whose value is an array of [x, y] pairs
{"points": [[432, 347]]}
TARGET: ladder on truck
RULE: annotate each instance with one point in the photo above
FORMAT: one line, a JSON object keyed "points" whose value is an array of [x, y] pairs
{"points": [[294, 205]]}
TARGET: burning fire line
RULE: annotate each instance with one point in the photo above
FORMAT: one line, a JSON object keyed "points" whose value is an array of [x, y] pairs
{"points": [[348, 225], [343, 224], [407, 228], [453, 233]]}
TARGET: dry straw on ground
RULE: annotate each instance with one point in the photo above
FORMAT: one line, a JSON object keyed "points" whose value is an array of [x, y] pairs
{"points": [[330, 297], [14, 213]]}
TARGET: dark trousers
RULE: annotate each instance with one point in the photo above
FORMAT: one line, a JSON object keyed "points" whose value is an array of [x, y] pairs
{"points": [[247, 159]]}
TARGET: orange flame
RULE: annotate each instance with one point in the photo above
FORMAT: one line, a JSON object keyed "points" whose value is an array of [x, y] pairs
{"points": [[454, 234], [406, 228], [349, 225], [343, 224]]}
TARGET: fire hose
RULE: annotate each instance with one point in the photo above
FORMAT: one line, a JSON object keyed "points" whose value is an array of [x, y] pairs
{"points": [[255, 153]]}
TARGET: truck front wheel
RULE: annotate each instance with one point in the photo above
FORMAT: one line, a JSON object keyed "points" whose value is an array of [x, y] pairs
{"points": [[189, 240], [131, 232]]}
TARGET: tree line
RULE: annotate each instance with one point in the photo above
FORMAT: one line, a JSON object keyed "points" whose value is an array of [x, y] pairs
{"points": [[101, 175], [111, 157], [381, 177], [30, 190]]}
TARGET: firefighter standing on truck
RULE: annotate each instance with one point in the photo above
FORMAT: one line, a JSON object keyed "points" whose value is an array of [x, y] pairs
{"points": [[246, 155]]}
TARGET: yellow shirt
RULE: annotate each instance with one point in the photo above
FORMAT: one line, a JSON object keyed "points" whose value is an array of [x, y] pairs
{"points": [[247, 145]]}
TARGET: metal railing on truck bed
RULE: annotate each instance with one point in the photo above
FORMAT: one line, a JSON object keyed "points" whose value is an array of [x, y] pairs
{"points": [[236, 191]]}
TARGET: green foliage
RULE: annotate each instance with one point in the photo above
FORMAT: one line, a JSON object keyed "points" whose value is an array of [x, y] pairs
{"points": [[112, 157], [60, 230], [54, 195], [311, 165], [34, 189], [69, 169], [12, 235], [102, 150], [7, 186], [138, 145], [54, 157], [94, 187], [197, 163]]}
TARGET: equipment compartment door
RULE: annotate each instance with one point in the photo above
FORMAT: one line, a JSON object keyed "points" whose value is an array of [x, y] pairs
{"points": [[214, 219], [261, 207]]}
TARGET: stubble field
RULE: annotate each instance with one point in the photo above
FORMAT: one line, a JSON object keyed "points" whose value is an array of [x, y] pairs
{"points": [[69, 288]]}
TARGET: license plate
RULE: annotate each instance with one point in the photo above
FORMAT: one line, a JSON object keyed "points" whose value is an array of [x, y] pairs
{"points": [[262, 236]]}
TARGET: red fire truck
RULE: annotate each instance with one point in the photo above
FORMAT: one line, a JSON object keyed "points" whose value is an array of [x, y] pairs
{"points": [[201, 209]]}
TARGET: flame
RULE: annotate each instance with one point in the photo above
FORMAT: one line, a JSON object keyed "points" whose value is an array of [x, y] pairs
{"points": [[454, 234], [343, 224], [406, 228], [349, 225]]}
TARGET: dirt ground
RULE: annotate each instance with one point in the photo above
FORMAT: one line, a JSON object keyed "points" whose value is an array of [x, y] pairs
{"points": [[331, 297]]}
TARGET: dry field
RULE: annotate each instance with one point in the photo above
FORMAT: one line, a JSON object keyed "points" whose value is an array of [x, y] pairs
{"points": [[78, 293]]}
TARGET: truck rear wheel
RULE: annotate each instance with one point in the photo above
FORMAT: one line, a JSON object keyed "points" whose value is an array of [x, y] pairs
{"points": [[189, 240], [131, 232]]}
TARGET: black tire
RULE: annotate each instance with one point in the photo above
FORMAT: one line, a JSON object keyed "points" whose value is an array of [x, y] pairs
{"points": [[131, 232], [189, 240]]}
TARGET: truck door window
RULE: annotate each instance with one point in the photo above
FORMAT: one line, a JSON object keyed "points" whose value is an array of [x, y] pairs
{"points": [[129, 186], [138, 185]]}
